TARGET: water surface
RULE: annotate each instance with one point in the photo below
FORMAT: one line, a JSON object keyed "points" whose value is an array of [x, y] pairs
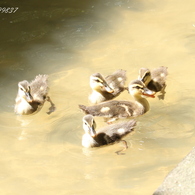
{"points": [[69, 41]]}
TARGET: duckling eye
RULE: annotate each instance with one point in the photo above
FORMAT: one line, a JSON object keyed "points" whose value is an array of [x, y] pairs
{"points": [[22, 89], [98, 81], [137, 87]]}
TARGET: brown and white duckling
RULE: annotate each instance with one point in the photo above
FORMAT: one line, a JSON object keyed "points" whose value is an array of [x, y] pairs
{"points": [[154, 80], [107, 135], [122, 109], [31, 96], [108, 88]]}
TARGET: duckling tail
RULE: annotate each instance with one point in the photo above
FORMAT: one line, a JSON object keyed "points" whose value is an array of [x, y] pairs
{"points": [[131, 125], [84, 108]]}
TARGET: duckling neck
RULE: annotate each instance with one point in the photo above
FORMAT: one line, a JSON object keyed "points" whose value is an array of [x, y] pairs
{"points": [[88, 141], [102, 92], [95, 97], [99, 96], [22, 106], [147, 82], [143, 102]]}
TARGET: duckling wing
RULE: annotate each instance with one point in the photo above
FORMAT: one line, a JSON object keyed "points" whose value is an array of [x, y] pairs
{"points": [[112, 109], [39, 87], [160, 72], [117, 81], [158, 78], [114, 132]]}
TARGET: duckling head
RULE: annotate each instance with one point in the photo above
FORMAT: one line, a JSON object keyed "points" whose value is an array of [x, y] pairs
{"points": [[98, 83], [89, 125], [138, 90], [145, 75], [24, 91]]}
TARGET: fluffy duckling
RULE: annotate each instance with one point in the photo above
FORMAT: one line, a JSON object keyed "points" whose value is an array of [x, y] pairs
{"points": [[107, 135], [122, 109], [31, 96], [108, 88], [155, 80]]}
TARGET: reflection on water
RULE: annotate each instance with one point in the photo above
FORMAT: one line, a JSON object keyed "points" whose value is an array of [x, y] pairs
{"points": [[42, 154]]}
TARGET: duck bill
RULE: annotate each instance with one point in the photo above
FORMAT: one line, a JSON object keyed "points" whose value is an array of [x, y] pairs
{"points": [[92, 132], [108, 88], [28, 97], [148, 93]]}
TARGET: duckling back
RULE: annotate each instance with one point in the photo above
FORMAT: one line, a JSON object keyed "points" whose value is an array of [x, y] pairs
{"points": [[39, 88], [117, 81]]}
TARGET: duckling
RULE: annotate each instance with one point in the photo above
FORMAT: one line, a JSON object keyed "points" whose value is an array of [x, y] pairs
{"points": [[108, 88], [115, 109], [154, 80], [107, 135], [31, 96]]}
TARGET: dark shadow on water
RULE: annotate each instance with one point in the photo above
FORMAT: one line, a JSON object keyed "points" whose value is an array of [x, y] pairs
{"points": [[63, 27]]}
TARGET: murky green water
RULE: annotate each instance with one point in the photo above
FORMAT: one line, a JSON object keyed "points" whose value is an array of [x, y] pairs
{"points": [[42, 154]]}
